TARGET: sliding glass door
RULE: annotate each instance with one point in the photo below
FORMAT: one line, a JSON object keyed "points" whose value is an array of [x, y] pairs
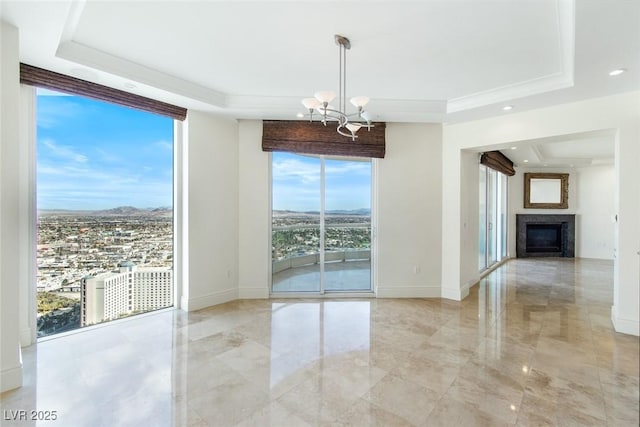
{"points": [[295, 222], [321, 223], [492, 217], [503, 210], [347, 225]]}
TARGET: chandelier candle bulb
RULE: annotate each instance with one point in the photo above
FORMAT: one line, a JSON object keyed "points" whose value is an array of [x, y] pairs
{"points": [[310, 103], [353, 127], [359, 101], [325, 96]]}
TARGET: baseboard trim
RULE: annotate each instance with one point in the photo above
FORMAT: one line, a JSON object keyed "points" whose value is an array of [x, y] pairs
{"points": [[253, 292], [214, 298], [10, 379], [408, 292], [316, 296], [464, 291], [452, 294], [624, 326]]}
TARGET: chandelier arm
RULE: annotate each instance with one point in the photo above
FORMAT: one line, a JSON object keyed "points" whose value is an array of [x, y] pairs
{"points": [[337, 113]]}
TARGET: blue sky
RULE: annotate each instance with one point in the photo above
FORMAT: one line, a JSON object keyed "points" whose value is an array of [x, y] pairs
{"points": [[296, 183], [96, 155]]}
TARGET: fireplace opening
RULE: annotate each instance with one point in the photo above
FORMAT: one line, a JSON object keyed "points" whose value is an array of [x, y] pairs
{"points": [[541, 235], [544, 237]]}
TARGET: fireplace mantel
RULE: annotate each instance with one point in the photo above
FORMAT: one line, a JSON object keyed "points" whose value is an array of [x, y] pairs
{"points": [[564, 225]]}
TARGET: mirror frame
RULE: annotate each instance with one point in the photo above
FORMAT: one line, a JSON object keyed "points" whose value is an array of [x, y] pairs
{"points": [[564, 190]]}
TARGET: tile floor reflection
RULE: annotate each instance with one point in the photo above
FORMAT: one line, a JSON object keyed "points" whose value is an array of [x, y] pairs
{"points": [[339, 276], [531, 345]]}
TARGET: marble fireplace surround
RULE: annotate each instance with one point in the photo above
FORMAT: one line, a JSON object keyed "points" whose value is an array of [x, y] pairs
{"points": [[568, 236]]}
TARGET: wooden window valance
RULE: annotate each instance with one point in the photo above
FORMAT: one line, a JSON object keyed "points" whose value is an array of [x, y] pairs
{"points": [[315, 138], [498, 161], [40, 77]]}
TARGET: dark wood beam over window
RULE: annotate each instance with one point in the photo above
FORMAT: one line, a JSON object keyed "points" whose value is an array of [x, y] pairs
{"points": [[40, 77], [315, 138], [498, 161]]}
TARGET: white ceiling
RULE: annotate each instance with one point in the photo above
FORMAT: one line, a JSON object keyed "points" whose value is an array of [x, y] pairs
{"points": [[419, 61], [566, 151]]}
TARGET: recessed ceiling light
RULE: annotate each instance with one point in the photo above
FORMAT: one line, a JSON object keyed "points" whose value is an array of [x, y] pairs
{"points": [[617, 72], [507, 107], [299, 115], [513, 148], [526, 161]]}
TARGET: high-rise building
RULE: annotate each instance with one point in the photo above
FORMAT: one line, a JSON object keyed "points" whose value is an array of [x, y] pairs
{"points": [[116, 294]]}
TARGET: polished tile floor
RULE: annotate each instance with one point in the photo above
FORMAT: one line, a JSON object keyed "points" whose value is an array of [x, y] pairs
{"points": [[531, 345]]}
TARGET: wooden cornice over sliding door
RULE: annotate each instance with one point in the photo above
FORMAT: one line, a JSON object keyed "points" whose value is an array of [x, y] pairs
{"points": [[498, 161], [315, 138], [40, 77]]}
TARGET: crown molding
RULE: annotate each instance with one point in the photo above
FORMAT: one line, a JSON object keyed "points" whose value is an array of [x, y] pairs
{"points": [[564, 78], [93, 58]]}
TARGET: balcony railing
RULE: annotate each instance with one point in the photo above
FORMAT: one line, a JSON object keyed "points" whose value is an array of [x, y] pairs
{"points": [[309, 259], [299, 245]]}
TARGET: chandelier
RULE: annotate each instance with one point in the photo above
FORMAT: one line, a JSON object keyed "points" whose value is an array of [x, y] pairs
{"points": [[348, 124]]}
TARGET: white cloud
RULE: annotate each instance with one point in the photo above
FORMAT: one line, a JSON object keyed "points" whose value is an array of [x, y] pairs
{"points": [[64, 151], [50, 115], [107, 156], [293, 169], [165, 145], [344, 168]]}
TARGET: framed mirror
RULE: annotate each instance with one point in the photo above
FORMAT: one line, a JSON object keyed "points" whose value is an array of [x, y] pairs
{"points": [[546, 190]]}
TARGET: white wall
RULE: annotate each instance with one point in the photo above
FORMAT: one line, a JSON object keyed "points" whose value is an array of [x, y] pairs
{"points": [[619, 113], [408, 220], [409, 183], [591, 199], [595, 210], [254, 192], [469, 222], [210, 209], [10, 353]]}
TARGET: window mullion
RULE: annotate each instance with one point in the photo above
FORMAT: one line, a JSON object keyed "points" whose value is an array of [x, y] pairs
{"points": [[322, 227]]}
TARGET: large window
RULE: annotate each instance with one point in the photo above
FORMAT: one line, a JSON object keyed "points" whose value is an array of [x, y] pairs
{"points": [[321, 223], [105, 212], [492, 238]]}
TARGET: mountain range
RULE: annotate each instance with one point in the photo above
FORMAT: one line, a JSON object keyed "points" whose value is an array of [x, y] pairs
{"points": [[362, 212], [118, 211]]}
